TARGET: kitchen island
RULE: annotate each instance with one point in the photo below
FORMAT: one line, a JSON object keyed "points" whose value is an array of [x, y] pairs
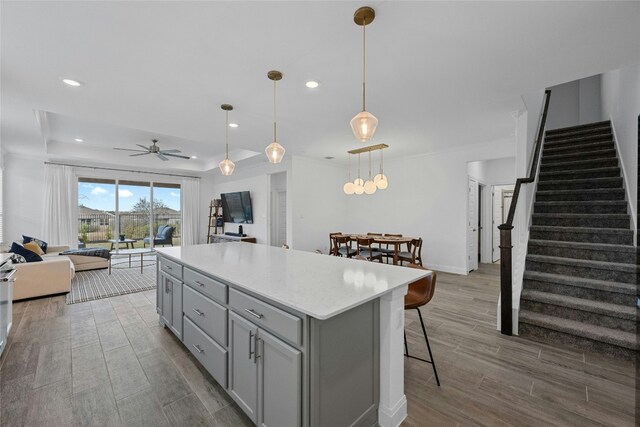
{"points": [[296, 338]]}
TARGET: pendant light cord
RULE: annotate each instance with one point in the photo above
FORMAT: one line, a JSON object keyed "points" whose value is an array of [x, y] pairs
{"points": [[364, 66], [358, 165], [274, 111], [381, 161], [369, 165], [226, 134], [349, 167]]}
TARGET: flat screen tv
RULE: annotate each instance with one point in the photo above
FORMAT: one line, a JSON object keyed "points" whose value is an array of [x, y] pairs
{"points": [[236, 207]]}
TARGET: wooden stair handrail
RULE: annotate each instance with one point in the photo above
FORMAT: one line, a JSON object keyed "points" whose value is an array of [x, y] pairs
{"points": [[506, 260]]}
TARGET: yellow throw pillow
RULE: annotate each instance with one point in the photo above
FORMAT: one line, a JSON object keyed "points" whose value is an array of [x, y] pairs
{"points": [[34, 247]]}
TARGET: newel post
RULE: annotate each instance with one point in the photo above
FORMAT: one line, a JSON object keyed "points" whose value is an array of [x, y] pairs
{"points": [[506, 275]]}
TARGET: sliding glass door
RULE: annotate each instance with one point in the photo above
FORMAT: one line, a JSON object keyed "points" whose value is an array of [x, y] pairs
{"points": [[144, 214]]}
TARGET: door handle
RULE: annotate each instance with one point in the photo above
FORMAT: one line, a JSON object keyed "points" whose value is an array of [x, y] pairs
{"points": [[198, 349], [198, 312], [251, 353], [252, 312]]}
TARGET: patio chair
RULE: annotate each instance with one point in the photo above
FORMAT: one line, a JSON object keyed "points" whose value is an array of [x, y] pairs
{"points": [[164, 236]]}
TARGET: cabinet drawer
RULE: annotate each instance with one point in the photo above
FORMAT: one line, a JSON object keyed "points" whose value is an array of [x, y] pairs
{"points": [[209, 354], [208, 286], [207, 314], [262, 314], [170, 267]]}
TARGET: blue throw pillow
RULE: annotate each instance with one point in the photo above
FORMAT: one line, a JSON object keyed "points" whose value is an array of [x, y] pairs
{"points": [[41, 243], [26, 253]]}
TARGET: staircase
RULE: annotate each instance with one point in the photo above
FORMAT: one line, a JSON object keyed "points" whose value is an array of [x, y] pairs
{"points": [[580, 277]]}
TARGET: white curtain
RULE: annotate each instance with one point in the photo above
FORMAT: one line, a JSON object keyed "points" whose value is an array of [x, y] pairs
{"points": [[59, 219], [190, 211]]}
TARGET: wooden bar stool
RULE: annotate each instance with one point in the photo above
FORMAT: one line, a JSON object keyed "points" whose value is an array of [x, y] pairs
{"points": [[419, 294]]}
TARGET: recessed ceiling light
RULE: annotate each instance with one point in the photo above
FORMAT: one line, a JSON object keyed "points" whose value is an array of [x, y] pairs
{"points": [[312, 84], [194, 157], [71, 82], [233, 125], [79, 140]]}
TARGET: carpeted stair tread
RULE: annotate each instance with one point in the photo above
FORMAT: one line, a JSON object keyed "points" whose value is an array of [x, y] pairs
{"points": [[603, 230], [586, 194], [566, 149], [580, 282], [613, 170], [572, 327], [583, 220], [583, 203], [599, 307], [552, 158], [577, 128], [581, 164], [601, 265], [577, 139], [581, 207], [585, 245], [583, 184]]}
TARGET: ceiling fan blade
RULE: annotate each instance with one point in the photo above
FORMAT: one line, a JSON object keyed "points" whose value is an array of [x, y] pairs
{"points": [[143, 146], [176, 155], [139, 154], [173, 150], [161, 157], [130, 149]]}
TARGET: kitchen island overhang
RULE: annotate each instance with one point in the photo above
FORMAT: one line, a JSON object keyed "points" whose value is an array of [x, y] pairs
{"points": [[302, 302]]}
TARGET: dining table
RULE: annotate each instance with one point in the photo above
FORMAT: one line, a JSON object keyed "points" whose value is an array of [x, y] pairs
{"points": [[394, 241]]}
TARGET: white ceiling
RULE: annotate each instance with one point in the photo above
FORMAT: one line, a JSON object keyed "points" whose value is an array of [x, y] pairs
{"points": [[440, 74]]}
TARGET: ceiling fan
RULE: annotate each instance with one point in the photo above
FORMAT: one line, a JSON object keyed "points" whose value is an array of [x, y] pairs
{"points": [[154, 149]]}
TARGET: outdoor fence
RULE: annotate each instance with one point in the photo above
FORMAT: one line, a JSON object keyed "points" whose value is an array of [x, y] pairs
{"points": [[96, 228]]}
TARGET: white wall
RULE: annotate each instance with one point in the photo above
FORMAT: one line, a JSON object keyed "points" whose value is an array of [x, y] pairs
{"points": [[575, 103], [23, 188], [621, 104], [426, 197], [589, 103]]}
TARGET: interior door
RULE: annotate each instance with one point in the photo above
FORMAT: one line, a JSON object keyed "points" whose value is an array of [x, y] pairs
{"points": [[472, 227], [280, 382], [243, 368], [496, 218]]}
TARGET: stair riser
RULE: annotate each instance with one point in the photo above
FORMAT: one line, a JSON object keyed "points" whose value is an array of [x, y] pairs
{"points": [[581, 165], [579, 130], [565, 236], [548, 159], [570, 149], [585, 185], [579, 292], [577, 139], [584, 344], [579, 315], [612, 194], [579, 271], [582, 174], [581, 209], [590, 254], [582, 222]]}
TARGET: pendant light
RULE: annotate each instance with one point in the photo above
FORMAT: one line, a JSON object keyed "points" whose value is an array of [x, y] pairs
{"points": [[274, 151], [381, 179], [370, 186], [358, 183], [364, 124], [226, 166], [349, 187]]}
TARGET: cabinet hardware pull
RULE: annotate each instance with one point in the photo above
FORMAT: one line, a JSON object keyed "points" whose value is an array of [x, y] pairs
{"points": [[198, 312], [256, 356], [250, 339], [199, 283], [253, 313], [169, 267], [166, 287], [198, 349]]}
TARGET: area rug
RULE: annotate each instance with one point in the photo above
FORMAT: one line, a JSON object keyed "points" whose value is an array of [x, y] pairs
{"points": [[96, 284]]}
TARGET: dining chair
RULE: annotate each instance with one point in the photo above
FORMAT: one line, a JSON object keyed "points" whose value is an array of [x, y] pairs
{"points": [[388, 252], [414, 254], [419, 294], [333, 248], [376, 235], [365, 249], [343, 245]]}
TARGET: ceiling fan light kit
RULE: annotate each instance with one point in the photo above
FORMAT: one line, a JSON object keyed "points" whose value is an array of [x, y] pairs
{"points": [[226, 166]]}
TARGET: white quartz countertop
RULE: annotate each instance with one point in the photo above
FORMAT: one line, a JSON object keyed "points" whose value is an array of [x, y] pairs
{"points": [[320, 286]]}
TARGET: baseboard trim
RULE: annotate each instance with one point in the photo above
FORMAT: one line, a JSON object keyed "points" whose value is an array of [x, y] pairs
{"points": [[446, 268], [393, 417]]}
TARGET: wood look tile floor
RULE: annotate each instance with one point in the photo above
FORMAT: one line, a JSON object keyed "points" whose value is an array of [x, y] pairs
{"points": [[108, 362]]}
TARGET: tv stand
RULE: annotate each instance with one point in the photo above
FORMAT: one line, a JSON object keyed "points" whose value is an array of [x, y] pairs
{"points": [[221, 238]]}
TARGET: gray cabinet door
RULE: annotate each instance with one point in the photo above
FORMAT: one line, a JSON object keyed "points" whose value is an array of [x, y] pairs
{"points": [[176, 308], [280, 382], [167, 297], [243, 368]]}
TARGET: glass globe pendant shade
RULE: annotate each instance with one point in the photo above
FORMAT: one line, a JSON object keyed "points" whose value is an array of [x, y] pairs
{"points": [[227, 167], [349, 188], [275, 152], [381, 181], [370, 187], [358, 182], [364, 125], [358, 189]]}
